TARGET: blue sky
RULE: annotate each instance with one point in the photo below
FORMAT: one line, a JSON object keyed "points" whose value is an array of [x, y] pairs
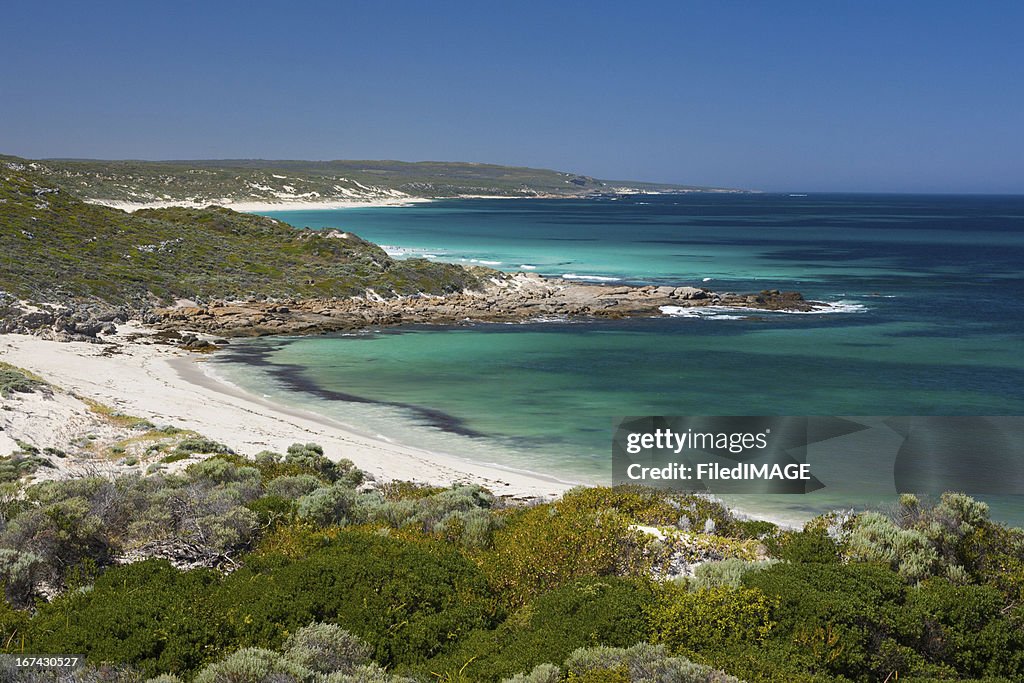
{"points": [[857, 96]]}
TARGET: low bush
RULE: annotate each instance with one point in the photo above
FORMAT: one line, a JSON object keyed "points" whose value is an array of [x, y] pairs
{"points": [[327, 648], [811, 545], [252, 665], [586, 612], [411, 600], [642, 663], [147, 615], [198, 444], [552, 544], [726, 573], [14, 380], [710, 619]]}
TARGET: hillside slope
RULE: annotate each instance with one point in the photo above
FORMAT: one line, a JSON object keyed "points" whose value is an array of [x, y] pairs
{"points": [[255, 180], [59, 249]]}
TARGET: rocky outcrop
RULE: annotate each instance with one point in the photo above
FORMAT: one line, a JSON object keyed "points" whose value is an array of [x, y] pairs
{"points": [[66, 322], [505, 298]]}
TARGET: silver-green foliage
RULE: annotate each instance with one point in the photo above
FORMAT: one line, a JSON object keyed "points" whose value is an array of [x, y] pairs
{"points": [[921, 541], [20, 573], [253, 665], [292, 487], [327, 648], [368, 673], [317, 653], [725, 573], [327, 505], [642, 663], [542, 673], [876, 538]]}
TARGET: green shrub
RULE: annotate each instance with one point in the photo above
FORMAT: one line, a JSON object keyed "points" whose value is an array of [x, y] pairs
{"points": [[18, 465], [968, 628], [410, 600], [407, 490], [62, 534], [810, 545], [470, 529], [711, 618], [147, 614], [310, 458], [586, 612], [15, 380], [13, 627], [271, 511], [222, 470], [953, 538], [831, 617], [550, 545], [652, 507], [200, 444], [754, 529]]}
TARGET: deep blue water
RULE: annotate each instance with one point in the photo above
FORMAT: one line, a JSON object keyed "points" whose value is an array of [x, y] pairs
{"points": [[928, 320]]}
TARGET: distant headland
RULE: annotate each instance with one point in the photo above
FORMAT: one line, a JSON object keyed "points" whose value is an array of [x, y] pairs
{"points": [[267, 185]]}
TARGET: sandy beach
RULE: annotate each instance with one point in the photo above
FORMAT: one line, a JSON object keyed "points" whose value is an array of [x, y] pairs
{"points": [[262, 207], [168, 387]]}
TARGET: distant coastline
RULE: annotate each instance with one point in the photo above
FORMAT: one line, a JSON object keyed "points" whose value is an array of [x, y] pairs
{"points": [[247, 206]]}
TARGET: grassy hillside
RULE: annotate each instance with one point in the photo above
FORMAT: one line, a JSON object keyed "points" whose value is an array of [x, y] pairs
{"points": [[58, 248], [214, 181]]}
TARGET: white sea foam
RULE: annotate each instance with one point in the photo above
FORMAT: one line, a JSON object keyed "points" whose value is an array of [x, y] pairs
{"points": [[527, 266], [707, 279], [486, 263], [840, 307], [729, 312], [704, 312], [591, 278], [394, 250]]}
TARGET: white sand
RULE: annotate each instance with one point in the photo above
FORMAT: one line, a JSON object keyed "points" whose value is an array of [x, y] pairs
{"points": [[167, 386], [261, 207]]}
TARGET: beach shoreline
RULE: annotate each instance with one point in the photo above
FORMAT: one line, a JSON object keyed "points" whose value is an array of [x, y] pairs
{"points": [[265, 206], [168, 386]]}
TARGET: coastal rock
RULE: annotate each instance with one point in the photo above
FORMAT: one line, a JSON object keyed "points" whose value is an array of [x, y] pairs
{"points": [[689, 293], [507, 298]]}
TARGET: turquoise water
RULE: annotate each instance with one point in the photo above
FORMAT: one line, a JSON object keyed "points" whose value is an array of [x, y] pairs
{"points": [[929, 322]]}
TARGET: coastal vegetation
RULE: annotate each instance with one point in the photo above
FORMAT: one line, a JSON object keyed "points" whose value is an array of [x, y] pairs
{"points": [[59, 249], [293, 567], [260, 180]]}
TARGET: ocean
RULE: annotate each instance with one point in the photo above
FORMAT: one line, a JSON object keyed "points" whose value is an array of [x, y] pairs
{"points": [[927, 319]]}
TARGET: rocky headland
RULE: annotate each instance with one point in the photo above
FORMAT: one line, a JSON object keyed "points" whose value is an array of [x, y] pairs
{"points": [[504, 298]]}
